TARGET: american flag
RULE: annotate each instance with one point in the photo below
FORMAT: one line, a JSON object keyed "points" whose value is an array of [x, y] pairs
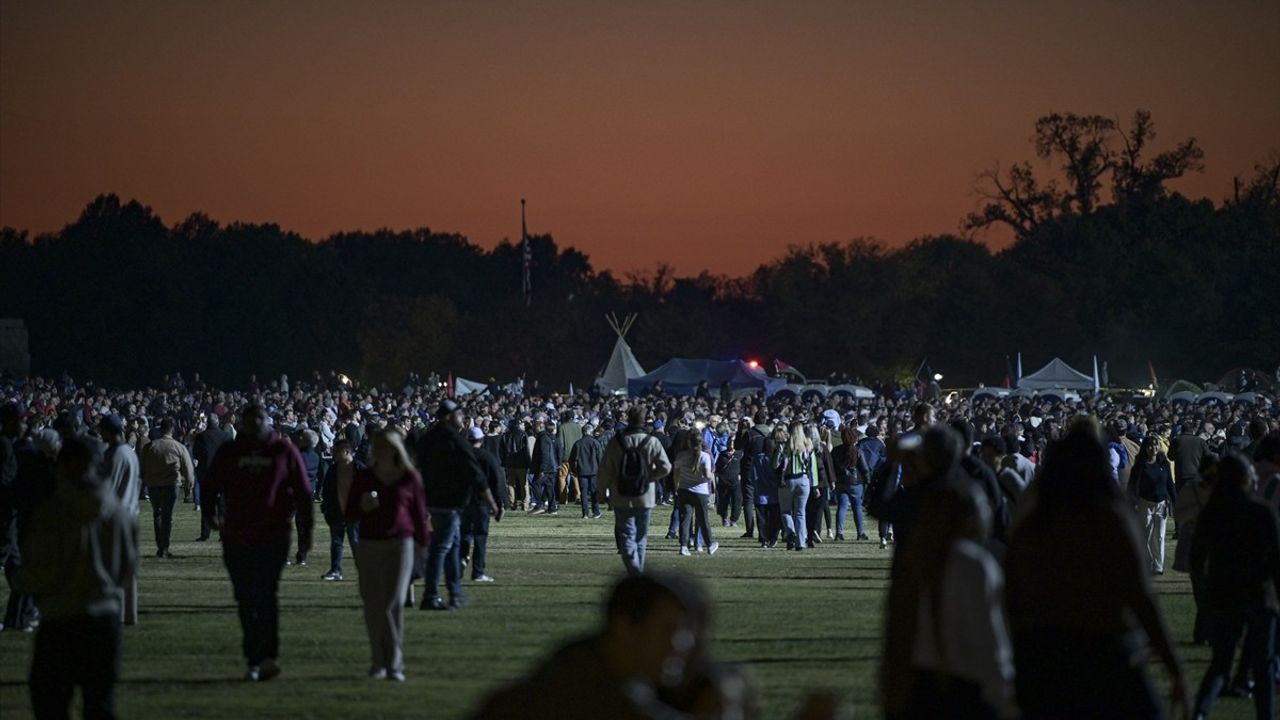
{"points": [[527, 253]]}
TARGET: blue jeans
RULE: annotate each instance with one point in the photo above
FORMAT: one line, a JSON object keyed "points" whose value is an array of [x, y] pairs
{"points": [[631, 531], [442, 555], [846, 499], [337, 530], [255, 580], [587, 489], [794, 500]]}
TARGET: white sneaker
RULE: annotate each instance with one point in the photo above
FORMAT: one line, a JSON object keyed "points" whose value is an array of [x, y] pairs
{"points": [[684, 550], [377, 673], [396, 676], [482, 578], [714, 547]]}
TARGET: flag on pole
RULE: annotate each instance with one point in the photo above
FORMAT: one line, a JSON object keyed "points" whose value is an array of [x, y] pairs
{"points": [[1152, 371], [527, 256], [1008, 373], [1019, 378], [1097, 386], [449, 384]]}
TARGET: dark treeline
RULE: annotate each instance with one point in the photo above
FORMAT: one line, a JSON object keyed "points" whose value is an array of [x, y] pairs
{"points": [[1106, 260]]}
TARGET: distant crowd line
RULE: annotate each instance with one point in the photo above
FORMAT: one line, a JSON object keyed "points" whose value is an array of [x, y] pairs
{"points": [[973, 493]]}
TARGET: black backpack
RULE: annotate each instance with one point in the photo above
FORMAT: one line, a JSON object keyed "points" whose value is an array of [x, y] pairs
{"points": [[633, 470]]}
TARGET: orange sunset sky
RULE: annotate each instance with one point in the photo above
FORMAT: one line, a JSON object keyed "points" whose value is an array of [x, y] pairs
{"points": [[701, 134]]}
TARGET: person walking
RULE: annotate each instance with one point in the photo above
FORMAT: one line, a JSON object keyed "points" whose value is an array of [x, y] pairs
{"points": [[453, 476], [851, 476], [474, 543], [261, 482], [568, 434], [584, 459], [516, 461], [1236, 550], [19, 610], [1151, 489], [797, 464], [695, 484], [546, 469], [1079, 595], [729, 486], [632, 463], [388, 501], [947, 651], [818, 507], [332, 510], [204, 446], [306, 445], [752, 437], [120, 473], [166, 466], [81, 553]]}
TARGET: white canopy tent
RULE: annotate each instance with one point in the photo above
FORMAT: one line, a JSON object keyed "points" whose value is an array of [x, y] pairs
{"points": [[1057, 374], [622, 362]]}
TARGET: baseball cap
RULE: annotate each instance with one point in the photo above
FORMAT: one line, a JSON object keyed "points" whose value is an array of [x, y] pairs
{"points": [[447, 408], [475, 433]]}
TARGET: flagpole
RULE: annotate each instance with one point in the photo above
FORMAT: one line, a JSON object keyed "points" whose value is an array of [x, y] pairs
{"points": [[526, 254]]}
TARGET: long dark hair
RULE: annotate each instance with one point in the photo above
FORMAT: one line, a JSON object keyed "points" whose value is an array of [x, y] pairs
{"points": [[692, 441], [1076, 474]]}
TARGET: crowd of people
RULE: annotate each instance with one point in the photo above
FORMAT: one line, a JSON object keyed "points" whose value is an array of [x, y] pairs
{"points": [[1018, 525]]}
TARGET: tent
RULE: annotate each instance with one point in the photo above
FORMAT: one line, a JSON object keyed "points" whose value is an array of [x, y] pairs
{"points": [[463, 386], [681, 376], [623, 365], [1243, 379], [1178, 386], [1056, 374]]}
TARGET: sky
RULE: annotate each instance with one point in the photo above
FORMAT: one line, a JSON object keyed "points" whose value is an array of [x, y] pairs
{"points": [[705, 135]]}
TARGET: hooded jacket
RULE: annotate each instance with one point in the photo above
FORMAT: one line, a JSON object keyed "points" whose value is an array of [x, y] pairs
{"points": [[610, 466]]}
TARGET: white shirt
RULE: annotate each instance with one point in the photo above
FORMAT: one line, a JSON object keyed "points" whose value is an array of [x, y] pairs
{"points": [[975, 642], [691, 477]]}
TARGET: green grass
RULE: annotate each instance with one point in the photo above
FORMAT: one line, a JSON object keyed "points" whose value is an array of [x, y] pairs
{"points": [[800, 621]]}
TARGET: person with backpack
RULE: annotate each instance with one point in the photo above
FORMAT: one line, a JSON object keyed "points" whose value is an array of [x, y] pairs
{"points": [[851, 481], [874, 453], [797, 465], [632, 462]]}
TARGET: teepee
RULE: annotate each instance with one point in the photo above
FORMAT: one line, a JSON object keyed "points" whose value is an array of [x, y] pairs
{"points": [[622, 363]]}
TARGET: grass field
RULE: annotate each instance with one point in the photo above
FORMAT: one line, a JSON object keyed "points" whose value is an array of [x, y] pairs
{"points": [[183, 659]]}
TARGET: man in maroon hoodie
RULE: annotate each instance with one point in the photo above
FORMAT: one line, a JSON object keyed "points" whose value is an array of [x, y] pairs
{"points": [[261, 482]]}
